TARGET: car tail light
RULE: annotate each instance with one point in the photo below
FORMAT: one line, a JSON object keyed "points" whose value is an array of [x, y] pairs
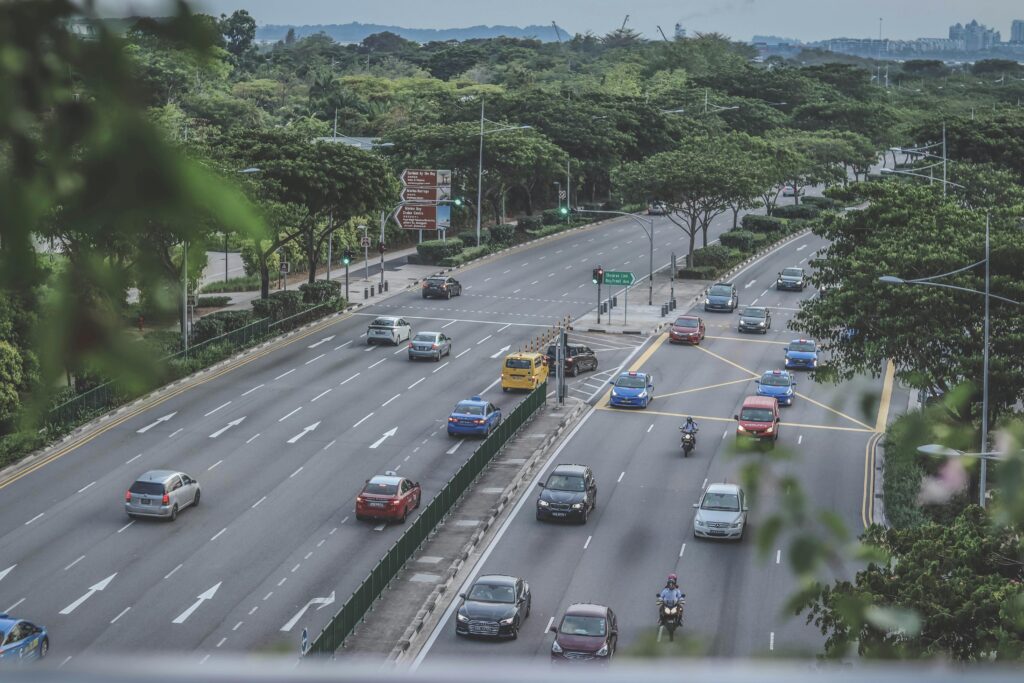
{"points": [[128, 496], [166, 500]]}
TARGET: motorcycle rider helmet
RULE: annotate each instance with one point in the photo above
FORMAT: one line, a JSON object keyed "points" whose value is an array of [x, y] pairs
{"points": [[672, 578]]}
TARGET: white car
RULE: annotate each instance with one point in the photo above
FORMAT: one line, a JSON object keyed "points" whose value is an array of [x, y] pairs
{"points": [[721, 513], [388, 330], [790, 191]]}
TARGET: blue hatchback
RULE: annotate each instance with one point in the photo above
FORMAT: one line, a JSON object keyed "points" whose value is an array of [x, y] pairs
{"points": [[633, 389], [474, 416], [802, 353], [779, 384], [21, 640]]}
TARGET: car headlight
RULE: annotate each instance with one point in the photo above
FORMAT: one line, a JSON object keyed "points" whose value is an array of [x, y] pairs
{"points": [[779, 281], [462, 617], [603, 652], [707, 301], [615, 394], [699, 522], [789, 392], [643, 394], [556, 648], [506, 622], [542, 503], [740, 428], [737, 525], [761, 324], [577, 506]]}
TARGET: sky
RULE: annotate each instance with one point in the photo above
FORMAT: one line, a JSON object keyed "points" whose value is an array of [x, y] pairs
{"points": [[740, 19]]}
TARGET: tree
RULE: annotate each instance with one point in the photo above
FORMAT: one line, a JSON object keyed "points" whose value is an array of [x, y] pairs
{"points": [[289, 38], [952, 591], [816, 159], [239, 31]]}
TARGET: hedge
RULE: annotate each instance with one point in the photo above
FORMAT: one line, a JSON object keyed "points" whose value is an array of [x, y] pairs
{"points": [[213, 301], [698, 273], [244, 283], [467, 255], [823, 203], [432, 252], [717, 256], [796, 212], [528, 223], [757, 223], [216, 324], [279, 305], [552, 216], [503, 235], [320, 291]]}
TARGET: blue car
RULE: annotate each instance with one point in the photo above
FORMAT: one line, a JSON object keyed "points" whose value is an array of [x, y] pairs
{"points": [[779, 384], [802, 353], [20, 640], [474, 416], [633, 389]]}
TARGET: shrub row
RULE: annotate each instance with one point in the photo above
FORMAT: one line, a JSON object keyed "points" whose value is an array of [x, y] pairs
{"points": [[213, 301], [432, 252], [216, 324], [244, 283], [279, 305], [736, 245], [466, 255], [796, 211]]}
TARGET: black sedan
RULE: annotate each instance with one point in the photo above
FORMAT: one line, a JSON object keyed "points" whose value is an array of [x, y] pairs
{"points": [[494, 607], [441, 287]]}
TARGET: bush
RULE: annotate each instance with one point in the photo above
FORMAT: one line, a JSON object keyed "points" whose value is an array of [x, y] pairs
{"points": [[528, 223], [756, 223], [845, 194], [245, 283], [320, 291], [552, 216], [698, 273], [433, 252], [716, 256], [216, 324], [822, 203], [251, 263], [279, 305], [213, 301], [744, 240], [466, 256], [548, 230], [503, 235], [796, 212]]}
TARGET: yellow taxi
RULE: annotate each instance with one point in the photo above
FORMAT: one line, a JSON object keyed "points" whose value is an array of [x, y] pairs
{"points": [[523, 370]]}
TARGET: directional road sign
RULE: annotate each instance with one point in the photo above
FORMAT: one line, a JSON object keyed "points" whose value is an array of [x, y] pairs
{"points": [[618, 277], [419, 216], [419, 177], [415, 193]]}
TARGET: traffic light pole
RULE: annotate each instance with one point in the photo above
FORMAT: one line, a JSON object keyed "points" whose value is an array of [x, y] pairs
{"points": [[599, 304], [346, 282]]}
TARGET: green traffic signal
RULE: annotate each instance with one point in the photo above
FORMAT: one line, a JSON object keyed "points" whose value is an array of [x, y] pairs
{"points": [[458, 201]]}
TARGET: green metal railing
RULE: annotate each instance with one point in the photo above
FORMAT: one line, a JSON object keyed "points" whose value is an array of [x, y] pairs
{"points": [[355, 608]]}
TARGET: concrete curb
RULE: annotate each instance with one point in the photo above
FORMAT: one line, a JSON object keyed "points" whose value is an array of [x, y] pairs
{"points": [[404, 647]]}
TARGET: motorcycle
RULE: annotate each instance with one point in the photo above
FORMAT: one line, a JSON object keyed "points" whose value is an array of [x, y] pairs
{"points": [[670, 617], [689, 442]]}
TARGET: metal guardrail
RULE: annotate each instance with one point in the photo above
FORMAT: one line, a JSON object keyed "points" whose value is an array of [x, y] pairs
{"points": [[359, 603]]}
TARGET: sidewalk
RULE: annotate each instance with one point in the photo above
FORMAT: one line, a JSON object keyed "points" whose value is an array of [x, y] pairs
{"points": [[635, 316]]}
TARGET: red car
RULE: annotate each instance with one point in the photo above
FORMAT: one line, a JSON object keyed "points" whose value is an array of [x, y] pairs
{"points": [[389, 497], [587, 633], [687, 329]]}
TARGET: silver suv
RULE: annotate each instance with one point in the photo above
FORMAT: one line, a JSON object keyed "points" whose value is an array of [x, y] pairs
{"points": [[721, 513], [161, 493]]}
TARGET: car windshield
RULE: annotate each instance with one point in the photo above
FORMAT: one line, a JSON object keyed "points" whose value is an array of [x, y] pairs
{"points": [[721, 290], [150, 488], [469, 409], [756, 415], [518, 363], [380, 488], [801, 346], [729, 502], [754, 312], [630, 382], [563, 482], [686, 322], [773, 380], [793, 272], [582, 626], [483, 592], [383, 322], [426, 337]]}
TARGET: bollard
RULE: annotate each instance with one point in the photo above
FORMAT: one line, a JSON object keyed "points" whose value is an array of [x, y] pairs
{"points": [[366, 293], [673, 303], [371, 290], [615, 301], [385, 285], [664, 310]]}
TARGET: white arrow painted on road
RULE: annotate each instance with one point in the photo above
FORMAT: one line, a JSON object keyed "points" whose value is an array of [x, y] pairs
{"points": [[749, 284], [323, 602], [7, 571], [165, 418], [305, 431], [96, 587], [322, 341], [233, 423], [390, 432], [208, 595], [502, 350]]}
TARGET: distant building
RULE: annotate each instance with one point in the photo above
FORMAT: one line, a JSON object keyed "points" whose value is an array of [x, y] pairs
{"points": [[976, 37], [1017, 31], [680, 32]]}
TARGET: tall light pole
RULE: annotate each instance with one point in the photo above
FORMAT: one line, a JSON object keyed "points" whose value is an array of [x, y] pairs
{"points": [[480, 167], [650, 237], [922, 151]]}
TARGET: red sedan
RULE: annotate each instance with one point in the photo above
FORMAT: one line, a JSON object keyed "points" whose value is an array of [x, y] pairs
{"points": [[687, 329], [389, 497]]}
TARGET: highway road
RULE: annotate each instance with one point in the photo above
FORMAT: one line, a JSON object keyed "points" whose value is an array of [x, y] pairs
{"points": [[642, 527], [281, 444]]}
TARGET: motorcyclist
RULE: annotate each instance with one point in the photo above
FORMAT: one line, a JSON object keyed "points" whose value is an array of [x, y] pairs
{"points": [[690, 427], [670, 594]]}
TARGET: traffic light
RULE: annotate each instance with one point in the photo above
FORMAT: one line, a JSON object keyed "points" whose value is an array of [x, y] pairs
{"points": [[346, 257], [598, 275], [457, 201], [380, 247], [564, 210]]}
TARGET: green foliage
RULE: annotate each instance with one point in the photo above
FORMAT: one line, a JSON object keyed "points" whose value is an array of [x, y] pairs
{"points": [[501, 235], [741, 240], [796, 212], [216, 324], [432, 252], [10, 381], [320, 291], [820, 203], [552, 217], [278, 305], [757, 223], [529, 223], [717, 256], [468, 255], [243, 283], [212, 301], [698, 273]]}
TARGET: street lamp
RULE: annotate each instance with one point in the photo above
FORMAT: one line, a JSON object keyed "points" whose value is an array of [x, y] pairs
{"points": [[650, 237], [480, 169], [921, 151], [929, 282]]}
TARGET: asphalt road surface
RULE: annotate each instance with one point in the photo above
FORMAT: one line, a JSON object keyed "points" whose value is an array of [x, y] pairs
{"points": [[281, 445], [642, 527]]}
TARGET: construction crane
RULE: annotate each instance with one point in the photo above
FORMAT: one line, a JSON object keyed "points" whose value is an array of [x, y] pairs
{"points": [[663, 35], [623, 27], [558, 33]]}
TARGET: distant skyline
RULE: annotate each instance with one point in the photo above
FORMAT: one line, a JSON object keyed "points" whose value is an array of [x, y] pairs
{"points": [[807, 20]]}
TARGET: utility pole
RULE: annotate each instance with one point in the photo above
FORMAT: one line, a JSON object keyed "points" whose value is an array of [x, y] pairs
{"points": [[480, 173], [330, 243], [383, 220], [184, 297], [366, 251]]}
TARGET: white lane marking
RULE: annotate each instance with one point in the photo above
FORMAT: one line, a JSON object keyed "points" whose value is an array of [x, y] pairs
{"points": [[168, 574], [581, 286], [322, 341], [682, 550], [799, 439], [534, 282], [803, 260], [253, 438], [389, 400], [267, 596], [449, 324], [705, 484], [376, 364], [620, 477], [341, 346], [484, 339], [214, 465], [650, 428], [165, 418], [34, 518], [258, 386], [295, 472], [749, 284], [801, 247], [502, 329], [218, 534], [71, 565], [362, 421], [725, 434], [238, 625], [416, 382], [296, 567], [222, 405], [415, 449], [285, 374], [551, 274], [490, 386], [66, 660], [455, 447], [306, 430], [439, 368], [565, 294], [331, 533], [333, 441], [14, 606], [369, 348], [778, 556], [290, 414], [308, 555], [123, 612], [460, 355], [259, 501], [764, 292], [88, 594], [771, 641], [321, 395], [401, 349], [86, 486], [222, 641], [587, 544], [517, 291], [131, 460], [754, 302], [322, 541], [313, 360], [349, 379], [229, 425], [175, 433], [551, 621], [379, 527], [253, 610], [542, 258], [488, 279], [507, 272]]}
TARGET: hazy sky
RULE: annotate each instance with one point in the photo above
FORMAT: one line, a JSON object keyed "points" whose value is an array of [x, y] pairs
{"points": [[740, 19]]}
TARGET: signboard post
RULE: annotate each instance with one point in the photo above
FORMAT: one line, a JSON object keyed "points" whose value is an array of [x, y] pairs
{"points": [[423, 194], [621, 278], [304, 642]]}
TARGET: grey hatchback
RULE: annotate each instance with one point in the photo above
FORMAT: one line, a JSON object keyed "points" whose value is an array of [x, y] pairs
{"points": [[161, 493]]}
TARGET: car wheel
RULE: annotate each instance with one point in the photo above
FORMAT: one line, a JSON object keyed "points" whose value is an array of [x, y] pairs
{"points": [[405, 513], [174, 513], [515, 631], [360, 518], [595, 366], [44, 648], [195, 501], [586, 516], [369, 342], [575, 371], [504, 388], [424, 295], [448, 294], [529, 607], [437, 358]]}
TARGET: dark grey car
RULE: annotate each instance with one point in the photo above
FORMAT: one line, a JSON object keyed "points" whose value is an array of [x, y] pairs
{"points": [[441, 287], [722, 297], [792, 278], [431, 345], [161, 493], [494, 606], [755, 319], [569, 493]]}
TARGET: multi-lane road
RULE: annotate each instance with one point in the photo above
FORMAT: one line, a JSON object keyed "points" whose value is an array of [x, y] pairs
{"points": [[642, 527], [281, 444]]}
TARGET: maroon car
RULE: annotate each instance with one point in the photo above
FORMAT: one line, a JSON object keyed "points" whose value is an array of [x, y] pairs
{"points": [[688, 329], [387, 497], [587, 633]]}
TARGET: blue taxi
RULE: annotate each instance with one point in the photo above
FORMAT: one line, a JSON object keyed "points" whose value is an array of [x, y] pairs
{"points": [[802, 353], [633, 389], [21, 640], [779, 384], [474, 416]]}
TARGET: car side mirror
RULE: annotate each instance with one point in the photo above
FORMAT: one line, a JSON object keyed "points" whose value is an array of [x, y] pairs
{"points": [[540, 484], [786, 349], [794, 384], [736, 417], [553, 629], [746, 508], [757, 381], [462, 595]]}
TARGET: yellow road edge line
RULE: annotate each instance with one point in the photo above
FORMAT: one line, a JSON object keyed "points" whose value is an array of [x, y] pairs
{"points": [[709, 418], [20, 474], [752, 341], [710, 386], [886, 398], [637, 364]]}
